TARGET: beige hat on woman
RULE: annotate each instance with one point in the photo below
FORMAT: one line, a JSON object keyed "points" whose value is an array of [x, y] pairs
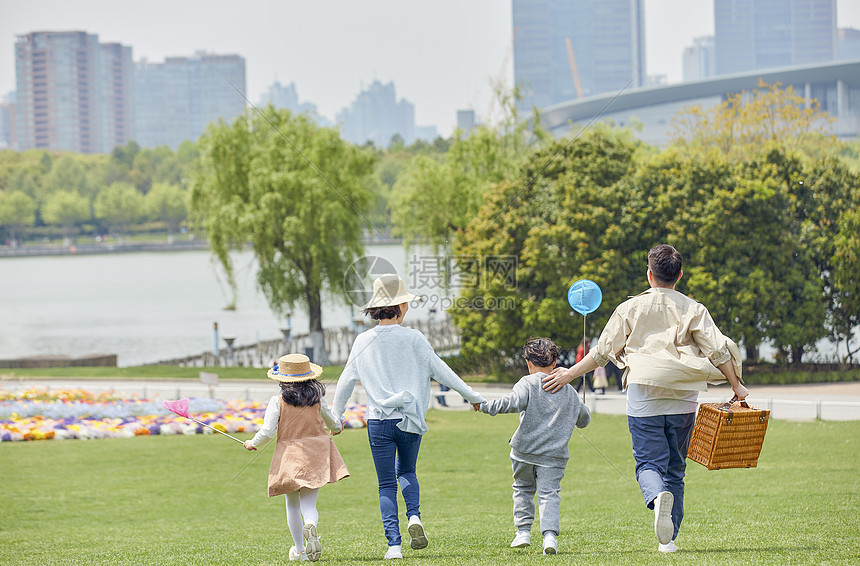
{"points": [[294, 368], [388, 291]]}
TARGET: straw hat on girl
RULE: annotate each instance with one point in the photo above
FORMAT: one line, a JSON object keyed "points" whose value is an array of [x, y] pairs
{"points": [[294, 368], [388, 291]]}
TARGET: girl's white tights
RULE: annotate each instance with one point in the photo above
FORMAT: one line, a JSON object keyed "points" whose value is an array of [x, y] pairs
{"points": [[301, 505]]}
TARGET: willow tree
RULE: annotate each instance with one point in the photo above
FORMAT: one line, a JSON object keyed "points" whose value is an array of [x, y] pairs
{"points": [[297, 193]]}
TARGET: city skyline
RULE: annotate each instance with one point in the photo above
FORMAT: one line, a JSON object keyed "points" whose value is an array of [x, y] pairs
{"points": [[333, 51]]}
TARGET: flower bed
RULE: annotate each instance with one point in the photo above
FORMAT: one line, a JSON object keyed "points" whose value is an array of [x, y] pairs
{"points": [[42, 414]]}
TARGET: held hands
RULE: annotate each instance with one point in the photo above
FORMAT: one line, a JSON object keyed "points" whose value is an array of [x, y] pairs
{"points": [[476, 407], [338, 430], [557, 378]]}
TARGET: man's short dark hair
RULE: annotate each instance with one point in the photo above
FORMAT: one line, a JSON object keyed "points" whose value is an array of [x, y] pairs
{"points": [[542, 352], [383, 313], [665, 263]]}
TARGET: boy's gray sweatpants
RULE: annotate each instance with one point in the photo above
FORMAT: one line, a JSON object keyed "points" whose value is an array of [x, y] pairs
{"points": [[546, 482]]}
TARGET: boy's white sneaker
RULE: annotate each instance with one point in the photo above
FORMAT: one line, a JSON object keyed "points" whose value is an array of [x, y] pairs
{"points": [[416, 533], [313, 547], [393, 552], [294, 555], [670, 547], [550, 544], [663, 526], [522, 540]]}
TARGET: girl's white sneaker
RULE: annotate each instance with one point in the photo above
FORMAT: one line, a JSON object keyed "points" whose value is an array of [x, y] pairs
{"points": [[313, 547], [297, 555], [393, 552]]}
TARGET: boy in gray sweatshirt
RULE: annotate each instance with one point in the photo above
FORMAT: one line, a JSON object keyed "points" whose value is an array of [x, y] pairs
{"points": [[539, 450]]}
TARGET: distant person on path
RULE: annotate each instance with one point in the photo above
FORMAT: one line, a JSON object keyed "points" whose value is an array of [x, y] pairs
{"points": [[305, 458], [581, 351], [539, 447], [672, 349], [395, 365]]}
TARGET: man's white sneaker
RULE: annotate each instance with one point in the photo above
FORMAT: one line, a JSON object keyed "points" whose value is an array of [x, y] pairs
{"points": [[297, 555], [393, 552], [550, 544], [416, 533], [522, 540], [670, 547], [663, 526]]}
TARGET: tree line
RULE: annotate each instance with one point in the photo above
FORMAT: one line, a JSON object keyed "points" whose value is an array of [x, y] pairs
{"points": [[69, 193]]}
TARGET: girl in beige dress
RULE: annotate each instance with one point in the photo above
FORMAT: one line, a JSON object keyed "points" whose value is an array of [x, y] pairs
{"points": [[305, 457]]}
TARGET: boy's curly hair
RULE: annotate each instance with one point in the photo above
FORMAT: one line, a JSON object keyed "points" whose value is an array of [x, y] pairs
{"points": [[542, 352]]}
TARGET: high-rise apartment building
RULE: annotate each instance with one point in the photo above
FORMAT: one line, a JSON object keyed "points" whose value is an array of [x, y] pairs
{"points": [[174, 101], [569, 49], [764, 34], [7, 122], [699, 59], [73, 92], [376, 115]]}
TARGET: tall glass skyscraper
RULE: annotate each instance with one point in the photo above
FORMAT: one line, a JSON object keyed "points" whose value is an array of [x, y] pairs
{"points": [[74, 93], [763, 34], [568, 49]]}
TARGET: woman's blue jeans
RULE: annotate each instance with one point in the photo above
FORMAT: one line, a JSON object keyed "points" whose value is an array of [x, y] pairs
{"points": [[395, 454], [660, 448]]}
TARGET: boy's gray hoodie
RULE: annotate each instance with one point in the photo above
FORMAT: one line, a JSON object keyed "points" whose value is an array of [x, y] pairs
{"points": [[546, 420]]}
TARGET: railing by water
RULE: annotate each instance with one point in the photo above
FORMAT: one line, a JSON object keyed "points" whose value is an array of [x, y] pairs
{"points": [[442, 335]]}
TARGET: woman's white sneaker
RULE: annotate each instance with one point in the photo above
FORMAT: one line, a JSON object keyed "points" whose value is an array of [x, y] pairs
{"points": [[416, 533], [393, 552]]}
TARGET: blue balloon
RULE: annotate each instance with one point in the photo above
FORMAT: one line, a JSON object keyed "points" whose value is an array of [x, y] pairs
{"points": [[584, 296]]}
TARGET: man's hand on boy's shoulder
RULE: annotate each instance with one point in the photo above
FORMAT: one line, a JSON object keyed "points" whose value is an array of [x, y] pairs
{"points": [[556, 379]]}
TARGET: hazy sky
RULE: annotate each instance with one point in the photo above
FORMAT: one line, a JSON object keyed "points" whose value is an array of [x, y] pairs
{"points": [[441, 55]]}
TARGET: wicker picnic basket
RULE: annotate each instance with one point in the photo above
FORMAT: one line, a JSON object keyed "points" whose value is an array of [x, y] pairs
{"points": [[728, 435]]}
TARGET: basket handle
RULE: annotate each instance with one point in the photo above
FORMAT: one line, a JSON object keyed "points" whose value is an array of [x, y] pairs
{"points": [[734, 399]]}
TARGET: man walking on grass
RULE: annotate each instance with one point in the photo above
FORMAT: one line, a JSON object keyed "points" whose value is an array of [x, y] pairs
{"points": [[672, 349]]}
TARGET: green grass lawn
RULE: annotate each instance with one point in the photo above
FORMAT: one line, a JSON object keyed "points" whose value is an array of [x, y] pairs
{"points": [[173, 500]]}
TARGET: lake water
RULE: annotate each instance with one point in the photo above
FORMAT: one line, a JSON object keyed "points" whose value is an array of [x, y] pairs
{"points": [[146, 307]]}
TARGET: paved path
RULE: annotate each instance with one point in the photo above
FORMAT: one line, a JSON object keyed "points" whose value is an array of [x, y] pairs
{"points": [[829, 401]]}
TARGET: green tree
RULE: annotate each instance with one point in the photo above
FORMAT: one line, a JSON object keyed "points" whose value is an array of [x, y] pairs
{"points": [[561, 220], [17, 210], [754, 122], [66, 209], [298, 193], [69, 173], [167, 203], [433, 199], [119, 205]]}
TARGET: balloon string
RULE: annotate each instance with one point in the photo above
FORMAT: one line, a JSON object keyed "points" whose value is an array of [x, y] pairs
{"points": [[583, 357]]}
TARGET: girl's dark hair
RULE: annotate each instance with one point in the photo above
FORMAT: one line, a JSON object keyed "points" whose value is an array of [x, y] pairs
{"points": [[382, 313], [303, 393], [542, 352]]}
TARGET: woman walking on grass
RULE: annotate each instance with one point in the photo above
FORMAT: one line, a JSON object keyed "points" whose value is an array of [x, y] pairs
{"points": [[395, 364]]}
